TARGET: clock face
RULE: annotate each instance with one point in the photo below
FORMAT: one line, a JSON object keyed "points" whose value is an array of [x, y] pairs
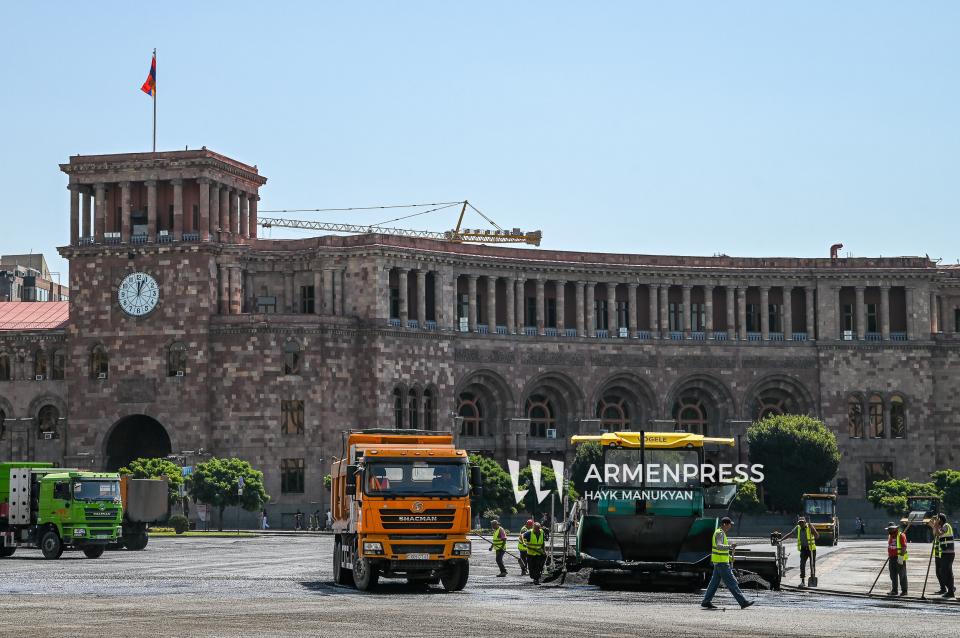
{"points": [[138, 294]]}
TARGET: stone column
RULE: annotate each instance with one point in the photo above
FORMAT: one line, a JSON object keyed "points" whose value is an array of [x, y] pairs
{"points": [[245, 216], [765, 313], [439, 308], [521, 305], [632, 310], [421, 298], [665, 311], [934, 314], [708, 310], [203, 186], [99, 221], [541, 307], [909, 299], [510, 289], [402, 290], [590, 296], [253, 215], [329, 291], [216, 218], [472, 302], [861, 311], [652, 292], [492, 304], [612, 309], [788, 313], [224, 212], [288, 297], [224, 305], [885, 313], [234, 212], [151, 210], [177, 209], [742, 311], [808, 298], [126, 212], [74, 214], [235, 290], [581, 311], [317, 292], [85, 212], [560, 292], [731, 313], [687, 311]]}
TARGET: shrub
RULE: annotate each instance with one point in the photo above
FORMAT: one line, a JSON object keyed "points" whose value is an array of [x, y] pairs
{"points": [[179, 523]]}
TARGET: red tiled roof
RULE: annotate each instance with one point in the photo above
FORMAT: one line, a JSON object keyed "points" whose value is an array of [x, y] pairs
{"points": [[34, 315]]}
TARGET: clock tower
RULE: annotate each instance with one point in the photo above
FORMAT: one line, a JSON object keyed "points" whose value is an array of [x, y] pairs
{"points": [[156, 246]]}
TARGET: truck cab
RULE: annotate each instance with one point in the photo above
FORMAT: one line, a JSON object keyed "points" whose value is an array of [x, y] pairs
{"points": [[401, 509], [820, 510]]}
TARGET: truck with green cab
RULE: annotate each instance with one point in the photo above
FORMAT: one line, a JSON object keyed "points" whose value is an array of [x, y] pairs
{"points": [[56, 509]]}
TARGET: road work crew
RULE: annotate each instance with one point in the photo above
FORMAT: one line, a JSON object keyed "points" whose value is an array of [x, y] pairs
{"points": [[499, 545], [897, 559], [807, 536], [943, 554], [536, 557], [522, 547], [720, 558]]}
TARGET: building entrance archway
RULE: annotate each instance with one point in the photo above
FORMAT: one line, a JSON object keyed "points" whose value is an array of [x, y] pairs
{"points": [[133, 437]]}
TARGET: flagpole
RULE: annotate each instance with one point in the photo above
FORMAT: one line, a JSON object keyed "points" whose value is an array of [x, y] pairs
{"points": [[154, 106]]}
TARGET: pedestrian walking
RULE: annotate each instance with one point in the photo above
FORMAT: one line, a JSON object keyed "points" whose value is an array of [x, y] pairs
{"points": [[943, 554], [499, 545], [264, 524], [720, 557], [316, 521], [522, 547], [298, 521], [807, 536], [897, 556], [861, 528], [536, 555], [329, 521]]}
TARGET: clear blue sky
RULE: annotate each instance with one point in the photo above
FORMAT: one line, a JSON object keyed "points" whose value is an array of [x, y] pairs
{"points": [[748, 128]]}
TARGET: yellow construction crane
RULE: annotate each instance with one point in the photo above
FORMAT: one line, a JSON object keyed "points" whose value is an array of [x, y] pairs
{"points": [[458, 235]]}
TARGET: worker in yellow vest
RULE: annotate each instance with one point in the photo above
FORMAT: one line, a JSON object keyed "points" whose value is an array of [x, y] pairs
{"points": [[720, 557], [536, 552], [897, 556], [499, 544], [943, 554], [807, 536], [522, 547]]}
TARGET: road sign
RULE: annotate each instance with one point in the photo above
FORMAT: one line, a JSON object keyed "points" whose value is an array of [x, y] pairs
{"points": [[187, 470], [240, 481]]}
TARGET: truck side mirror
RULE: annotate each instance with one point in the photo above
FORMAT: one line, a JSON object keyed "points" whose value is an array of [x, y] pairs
{"points": [[476, 481], [352, 480]]}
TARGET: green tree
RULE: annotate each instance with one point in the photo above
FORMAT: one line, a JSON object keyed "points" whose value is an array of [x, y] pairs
{"points": [[327, 481], [799, 455], [948, 482], [892, 495], [588, 454], [215, 483], [548, 481], [746, 501], [157, 468], [497, 495]]}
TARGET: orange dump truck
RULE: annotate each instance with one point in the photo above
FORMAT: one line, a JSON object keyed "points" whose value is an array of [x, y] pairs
{"points": [[400, 502]]}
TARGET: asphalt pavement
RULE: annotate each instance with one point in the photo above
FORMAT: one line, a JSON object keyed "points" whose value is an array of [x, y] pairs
{"points": [[282, 586]]}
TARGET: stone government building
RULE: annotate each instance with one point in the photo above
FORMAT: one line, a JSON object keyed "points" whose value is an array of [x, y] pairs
{"points": [[270, 349]]}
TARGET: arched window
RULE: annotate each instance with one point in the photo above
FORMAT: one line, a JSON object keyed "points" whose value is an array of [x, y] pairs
{"points": [[398, 408], [898, 417], [413, 409], [541, 415], [99, 363], [875, 414], [58, 372], [429, 419], [471, 409], [40, 364], [47, 419], [614, 413], [291, 357], [177, 359], [854, 417], [690, 414], [4, 367]]}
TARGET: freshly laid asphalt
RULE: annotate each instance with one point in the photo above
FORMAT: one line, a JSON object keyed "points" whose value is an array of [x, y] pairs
{"points": [[282, 586]]}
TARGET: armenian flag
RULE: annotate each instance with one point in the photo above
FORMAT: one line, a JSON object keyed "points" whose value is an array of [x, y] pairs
{"points": [[150, 86]]}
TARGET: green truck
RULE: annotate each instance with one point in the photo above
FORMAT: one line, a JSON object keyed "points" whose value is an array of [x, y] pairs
{"points": [[54, 508]]}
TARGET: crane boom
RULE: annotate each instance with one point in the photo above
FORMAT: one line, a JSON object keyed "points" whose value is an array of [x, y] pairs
{"points": [[478, 236]]}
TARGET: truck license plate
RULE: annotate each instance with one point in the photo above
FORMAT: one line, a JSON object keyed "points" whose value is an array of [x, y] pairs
{"points": [[418, 556]]}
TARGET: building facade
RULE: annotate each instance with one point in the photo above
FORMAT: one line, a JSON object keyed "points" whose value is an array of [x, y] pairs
{"points": [[27, 278], [270, 349]]}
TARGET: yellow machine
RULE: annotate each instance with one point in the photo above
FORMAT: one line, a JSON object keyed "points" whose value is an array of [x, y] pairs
{"points": [[820, 510]]}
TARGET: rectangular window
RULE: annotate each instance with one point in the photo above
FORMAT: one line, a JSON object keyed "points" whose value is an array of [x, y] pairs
{"points": [[775, 317], [849, 322], [622, 309], [118, 220], [291, 417], [306, 300], [551, 313], [394, 303], [292, 476], [675, 317], [873, 324], [463, 308], [698, 317], [170, 218], [956, 320], [531, 311], [753, 317], [877, 471], [600, 314], [266, 304], [196, 217]]}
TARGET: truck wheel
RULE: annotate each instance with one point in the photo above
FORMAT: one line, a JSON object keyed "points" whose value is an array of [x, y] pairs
{"points": [[365, 574], [455, 577], [94, 551], [341, 575], [50, 544], [136, 542], [6, 552]]}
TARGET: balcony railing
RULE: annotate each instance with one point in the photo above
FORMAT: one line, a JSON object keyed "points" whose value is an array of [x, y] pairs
{"points": [[111, 238], [139, 238], [698, 335], [482, 329], [429, 325], [530, 331], [570, 332], [413, 323], [643, 334], [602, 334], [799, 336], [898, 336], [551, 332], [501, 330], [754, 336], [191, 236], [165, 239], [86, 241], [394, 323], [719, 335], [776, 336], [874, 336]]}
